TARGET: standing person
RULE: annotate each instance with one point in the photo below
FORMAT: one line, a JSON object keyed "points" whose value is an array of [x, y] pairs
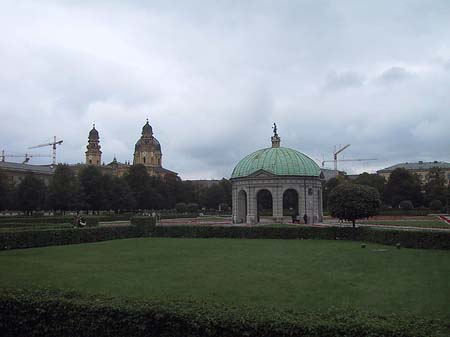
{"points": [[305, 218]]}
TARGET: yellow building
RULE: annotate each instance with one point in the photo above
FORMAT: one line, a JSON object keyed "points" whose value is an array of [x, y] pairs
{"points": [[420, 168]]}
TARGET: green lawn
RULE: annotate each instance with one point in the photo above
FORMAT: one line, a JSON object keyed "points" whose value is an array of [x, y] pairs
{"points": [[410, 223], [286, 274]]}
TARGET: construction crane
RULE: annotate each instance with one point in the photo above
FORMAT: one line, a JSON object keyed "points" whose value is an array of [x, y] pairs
{"points": [[53, 144], [336, 160], [26, 156]]}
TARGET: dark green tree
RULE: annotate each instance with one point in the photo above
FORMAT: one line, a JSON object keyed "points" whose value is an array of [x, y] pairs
{"points": [[403, 185], [435, 186], [6, 192], [138, 180], [328, 186], [120, 196], [63, 190], [93, 188], [372, 180], [351, 202], [31, 194]]}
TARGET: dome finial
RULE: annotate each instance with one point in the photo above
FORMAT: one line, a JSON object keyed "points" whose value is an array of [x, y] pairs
{"points": [[275, 138], [93, 125]]}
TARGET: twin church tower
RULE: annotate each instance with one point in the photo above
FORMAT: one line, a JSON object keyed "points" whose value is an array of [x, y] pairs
{"points": [[147, 152]]}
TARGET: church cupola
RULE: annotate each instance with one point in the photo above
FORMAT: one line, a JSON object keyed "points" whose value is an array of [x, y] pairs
{"points": [[93, 153], [147, 129], [147, 150]]}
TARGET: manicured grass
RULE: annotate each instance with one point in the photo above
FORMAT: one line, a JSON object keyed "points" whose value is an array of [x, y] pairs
{"points": [[284, 274], [409, 223]]}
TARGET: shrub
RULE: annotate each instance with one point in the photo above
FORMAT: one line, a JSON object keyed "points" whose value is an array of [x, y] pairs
{"points": [[54, 314], [192, 207], [406, 205], [181, 207], [436, 205]]}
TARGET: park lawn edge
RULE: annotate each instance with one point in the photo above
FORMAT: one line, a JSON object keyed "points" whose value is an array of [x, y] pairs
{"points": [[53, 312]]}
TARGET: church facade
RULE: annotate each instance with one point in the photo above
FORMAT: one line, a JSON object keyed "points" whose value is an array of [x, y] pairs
{"points": [[147, 152]]}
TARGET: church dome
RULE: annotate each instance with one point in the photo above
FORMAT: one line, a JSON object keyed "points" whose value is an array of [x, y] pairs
{"points": [[147, 129], [280, 161], [93, 134], [148, 143]]}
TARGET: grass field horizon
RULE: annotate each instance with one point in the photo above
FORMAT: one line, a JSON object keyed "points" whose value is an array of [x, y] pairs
{"points": [[283, 274]]}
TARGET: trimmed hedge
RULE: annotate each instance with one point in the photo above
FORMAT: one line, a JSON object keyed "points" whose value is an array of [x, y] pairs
{"points": [[410, 239], [53, 313], [54, 237]]}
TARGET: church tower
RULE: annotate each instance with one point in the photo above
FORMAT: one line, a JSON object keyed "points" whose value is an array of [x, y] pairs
{"points": [[93, 153], [147, 150]]}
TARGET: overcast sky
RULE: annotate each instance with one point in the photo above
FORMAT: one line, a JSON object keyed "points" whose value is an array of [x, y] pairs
{"points": [[212, 77]]}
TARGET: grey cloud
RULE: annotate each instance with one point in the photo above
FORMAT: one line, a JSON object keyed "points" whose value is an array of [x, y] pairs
{"points": [[342, 80], [394, 74], [212, 77]]}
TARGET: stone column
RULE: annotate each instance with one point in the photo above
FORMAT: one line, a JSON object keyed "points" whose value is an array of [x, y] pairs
{"points": [[277, 203], [251, 206]]}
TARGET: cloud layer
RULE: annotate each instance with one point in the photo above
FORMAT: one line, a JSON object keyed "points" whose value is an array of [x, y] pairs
{"points": [[212, 77]]}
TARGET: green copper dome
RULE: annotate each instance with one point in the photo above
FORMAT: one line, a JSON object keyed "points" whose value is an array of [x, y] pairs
{"points": [[280, 161]]}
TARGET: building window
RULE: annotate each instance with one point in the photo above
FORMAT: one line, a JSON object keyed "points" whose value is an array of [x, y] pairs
{"points": [[144, 160], [310, 191]]}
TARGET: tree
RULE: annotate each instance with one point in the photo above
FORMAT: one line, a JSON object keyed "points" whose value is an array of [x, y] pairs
{"points": [[402, 185], [6, 192], [31, 194], [94, 188], [406, 205], [372, 180], [436, 205], [435, 186], [351, 202], [120, 195], [138, 180], [63, 191], [329, 186]]}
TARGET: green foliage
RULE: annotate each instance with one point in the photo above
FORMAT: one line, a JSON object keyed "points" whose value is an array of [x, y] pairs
{"points": [[6, 192], [351, 202], [181, 207], [216, 194], [406, 205], [435, 187], [53, 237], [64, 189], [373, 180], [93, 188], [120, 195], [402, 185], [192, 207], [328, 186], [54, 313], [31, 194], [436, 205]]}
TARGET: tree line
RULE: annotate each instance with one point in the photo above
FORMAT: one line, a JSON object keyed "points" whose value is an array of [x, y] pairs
{"points": [[403, 190], [91, 190]]}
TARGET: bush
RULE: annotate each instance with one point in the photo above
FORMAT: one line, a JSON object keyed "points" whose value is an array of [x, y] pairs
{"points": [[53, 237], [436, 205], [192, 207], [54, 314], [181, 207], [406, 205]]}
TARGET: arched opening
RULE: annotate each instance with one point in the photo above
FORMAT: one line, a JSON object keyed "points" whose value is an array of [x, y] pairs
{"points": [[264, 204], [290, 204], [241, 214]]}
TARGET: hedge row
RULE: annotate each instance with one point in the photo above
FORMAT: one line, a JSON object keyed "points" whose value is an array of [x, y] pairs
{"points": [[410, 239], [54, 237], [52, 313], [145, 226]]}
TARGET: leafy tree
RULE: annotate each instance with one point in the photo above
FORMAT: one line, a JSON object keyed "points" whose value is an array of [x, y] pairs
{"points": [[94, 187], [328, 186], [64, 189], [31, 194], [406, 205], [181, 207], [216, 194], [120, 195], [436, 205], [351, 202], [6, 192], [372, 180], [138, 180], [402, 185], [435, 186], [192, 207]]}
